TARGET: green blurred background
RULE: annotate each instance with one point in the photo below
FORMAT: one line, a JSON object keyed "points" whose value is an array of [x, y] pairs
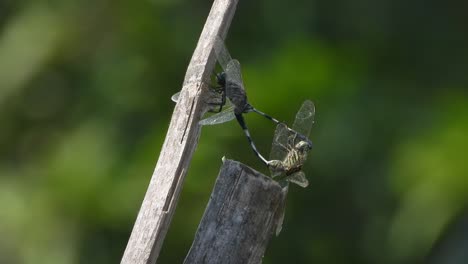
{"points": [[84, 109]]}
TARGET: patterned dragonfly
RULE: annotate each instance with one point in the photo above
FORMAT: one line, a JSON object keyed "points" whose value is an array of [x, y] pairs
{"points": [[289, 152]]}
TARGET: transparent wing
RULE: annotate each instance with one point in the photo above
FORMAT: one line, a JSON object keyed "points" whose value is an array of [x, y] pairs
{"points": [[279, 224], [231, 67], [233, 73], [175, 97], [282, 209], [222, 53], [304, 119], [279, 146], [299, 178], [280, 139], [222, 117]]}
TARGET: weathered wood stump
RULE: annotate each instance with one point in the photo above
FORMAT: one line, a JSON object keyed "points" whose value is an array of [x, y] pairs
{"points": [[241, 217]]}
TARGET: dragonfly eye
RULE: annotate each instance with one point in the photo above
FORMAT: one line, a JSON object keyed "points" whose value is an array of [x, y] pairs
{"points": [[221, 78], [302, 145]]}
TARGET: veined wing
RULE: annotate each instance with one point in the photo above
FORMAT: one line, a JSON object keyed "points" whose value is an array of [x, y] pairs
{"points": [[281, 209], [278, 147], [304, 119], [230, 66], [222, 117], [222, 53], [233, 73], [278, 151], [298, 178], [175, 97]]}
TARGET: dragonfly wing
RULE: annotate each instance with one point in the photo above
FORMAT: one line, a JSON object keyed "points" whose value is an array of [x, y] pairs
{"points": [[279, 224], [233, 73], [299, 178], [278, 147], [281, 212], [222, 53], [175, 97], [305, 118], [231, 67], [280, 139], [222, 117]]}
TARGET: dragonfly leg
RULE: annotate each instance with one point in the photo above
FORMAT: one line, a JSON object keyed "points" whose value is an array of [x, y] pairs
{"points": [[223, 98], [241, 121], [219, 90]]}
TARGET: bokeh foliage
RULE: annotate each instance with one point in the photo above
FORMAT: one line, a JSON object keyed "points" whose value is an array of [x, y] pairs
{"points": [[84, 108]]}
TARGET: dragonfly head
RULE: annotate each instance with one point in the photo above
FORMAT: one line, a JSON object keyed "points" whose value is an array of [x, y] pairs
{"points": [[221, 78], [304, 146]]}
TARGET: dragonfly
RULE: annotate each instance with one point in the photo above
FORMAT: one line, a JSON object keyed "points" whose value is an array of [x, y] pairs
{"points": [[233, 96], [289, 153]]}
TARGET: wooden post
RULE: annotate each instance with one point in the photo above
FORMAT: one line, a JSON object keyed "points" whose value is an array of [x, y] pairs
{"points": [[241, 217], [181, 140]]}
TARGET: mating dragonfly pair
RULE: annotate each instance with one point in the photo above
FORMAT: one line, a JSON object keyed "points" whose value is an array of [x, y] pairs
{"points": [[290, 146]]}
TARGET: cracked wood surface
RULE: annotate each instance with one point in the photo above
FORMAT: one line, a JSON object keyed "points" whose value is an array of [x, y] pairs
{"points": [[161, 197], [244, 210]]}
